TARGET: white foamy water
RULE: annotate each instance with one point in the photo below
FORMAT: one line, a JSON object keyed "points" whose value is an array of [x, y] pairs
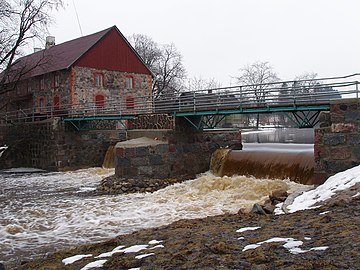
{"points": [[45, 212]]}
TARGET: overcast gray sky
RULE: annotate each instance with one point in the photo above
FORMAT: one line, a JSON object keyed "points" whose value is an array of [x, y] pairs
{"points": [[218, 37]]}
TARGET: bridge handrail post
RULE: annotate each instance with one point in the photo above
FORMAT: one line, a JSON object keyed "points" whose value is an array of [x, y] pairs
{"points": [[241, 97]]}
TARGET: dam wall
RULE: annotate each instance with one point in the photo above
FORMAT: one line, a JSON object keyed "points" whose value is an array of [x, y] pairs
{"points": [[53, 145], [170, 154], [337, 140]]}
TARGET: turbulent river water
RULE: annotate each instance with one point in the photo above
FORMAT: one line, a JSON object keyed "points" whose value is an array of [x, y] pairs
{"points": [[43, 212]]}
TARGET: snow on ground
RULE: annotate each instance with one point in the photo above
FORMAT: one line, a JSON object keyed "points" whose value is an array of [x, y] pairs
{"points": [[247, 229], [96, 264], [291, 244], [333, 184], [75, 258], [144, 255], [118, 249]]}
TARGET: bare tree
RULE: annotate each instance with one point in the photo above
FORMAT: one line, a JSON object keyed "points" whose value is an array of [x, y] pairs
{"points": [[170, 72], [165, 61], [256, 77], [148, 50], [20, 22], [199, 83]]}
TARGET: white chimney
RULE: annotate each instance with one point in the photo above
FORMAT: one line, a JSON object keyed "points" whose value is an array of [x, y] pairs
{"points": [[50, 41]]}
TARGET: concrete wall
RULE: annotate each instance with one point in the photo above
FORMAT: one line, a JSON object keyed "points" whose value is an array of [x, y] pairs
{"points": [[337, 141]]}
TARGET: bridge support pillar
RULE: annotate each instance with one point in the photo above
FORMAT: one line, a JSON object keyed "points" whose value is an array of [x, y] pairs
{"points": [[337, 140]]}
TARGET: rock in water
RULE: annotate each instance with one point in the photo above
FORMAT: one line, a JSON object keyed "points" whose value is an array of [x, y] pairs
{"points": [[257, 209]]}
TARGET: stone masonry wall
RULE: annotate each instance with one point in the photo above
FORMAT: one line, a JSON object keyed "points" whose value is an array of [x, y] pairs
{"points": [[157, 164], [337, 141], [52, 145], [114, 88]]}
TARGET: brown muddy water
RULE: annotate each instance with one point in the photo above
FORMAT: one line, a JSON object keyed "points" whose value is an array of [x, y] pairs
{"points": [[44, 212]]}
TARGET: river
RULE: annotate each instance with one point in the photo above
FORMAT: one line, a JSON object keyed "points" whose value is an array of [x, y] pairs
{"points": [[42, 212]]}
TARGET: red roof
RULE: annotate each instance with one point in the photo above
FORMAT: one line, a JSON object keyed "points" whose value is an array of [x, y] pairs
{"points": [[64, 55]]}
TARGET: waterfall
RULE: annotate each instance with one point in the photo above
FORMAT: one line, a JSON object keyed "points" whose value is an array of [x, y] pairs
{"points": [[296, 165], [109, 159]]}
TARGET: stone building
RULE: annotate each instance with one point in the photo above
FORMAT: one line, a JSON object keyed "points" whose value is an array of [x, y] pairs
{"points": [[93, 72]]}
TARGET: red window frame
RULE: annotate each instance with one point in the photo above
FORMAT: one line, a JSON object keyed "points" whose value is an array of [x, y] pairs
{"points": [[99, 101], [56, 103], [130, 102]]}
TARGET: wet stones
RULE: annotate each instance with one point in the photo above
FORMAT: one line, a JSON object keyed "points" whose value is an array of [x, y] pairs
{"points": [[115, 185], [268, 207]]}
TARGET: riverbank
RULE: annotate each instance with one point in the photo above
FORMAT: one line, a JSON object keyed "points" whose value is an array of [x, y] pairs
{"points": [[321, 238]]}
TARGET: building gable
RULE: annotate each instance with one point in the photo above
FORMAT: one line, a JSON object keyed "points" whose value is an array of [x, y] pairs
{"points": [[113, 52]]}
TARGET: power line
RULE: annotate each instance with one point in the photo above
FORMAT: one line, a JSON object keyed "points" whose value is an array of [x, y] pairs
{"points": [[77, 17]]}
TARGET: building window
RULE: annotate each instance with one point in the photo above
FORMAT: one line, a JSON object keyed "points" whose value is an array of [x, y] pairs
{"points": [[129, 81], [41, 104], [130, 102], [99, 101], [56, 80], [99, 80], [56, 104], [42, 83]]}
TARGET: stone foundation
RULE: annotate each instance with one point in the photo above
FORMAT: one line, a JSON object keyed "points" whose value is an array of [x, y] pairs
{"points": [[53, 145], [337, 141], [146, 165]]}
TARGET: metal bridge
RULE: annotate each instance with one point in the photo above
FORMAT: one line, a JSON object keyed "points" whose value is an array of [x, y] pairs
{"points": [[301, 100]]}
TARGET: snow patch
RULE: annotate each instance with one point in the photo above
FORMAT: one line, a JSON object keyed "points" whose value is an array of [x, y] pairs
{"points": [[157, 246], [135, 248], [75, 258], [154, 242], [278, 209], [109, 254], [324, 213], [247, 229], [96, 264], [291, 244], [337, 182], [144, 256]]}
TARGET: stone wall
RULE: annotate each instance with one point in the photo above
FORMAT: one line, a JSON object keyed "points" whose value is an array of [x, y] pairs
{"points": [[146, 165], [53, 145], [114, 89], [337, 141]]}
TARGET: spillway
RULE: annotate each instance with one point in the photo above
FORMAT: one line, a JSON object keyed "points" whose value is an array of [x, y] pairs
{"points": [[272, 161]]}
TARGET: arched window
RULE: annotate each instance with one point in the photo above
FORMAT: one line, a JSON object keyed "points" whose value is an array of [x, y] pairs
{"points": [[100, 101], [130, 102]]}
